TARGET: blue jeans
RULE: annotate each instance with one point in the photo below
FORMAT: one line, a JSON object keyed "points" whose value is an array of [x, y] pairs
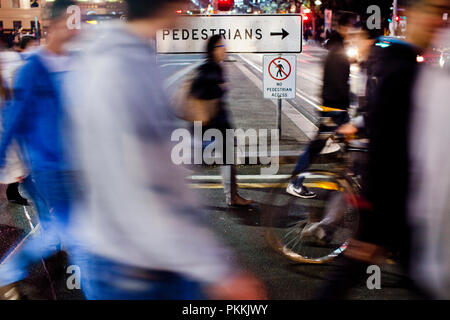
{"points": [[52, 193], [105, 279]]}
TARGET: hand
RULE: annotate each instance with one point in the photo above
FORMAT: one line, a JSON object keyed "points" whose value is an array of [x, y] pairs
{"points": [[240, 287], [347, 129]]}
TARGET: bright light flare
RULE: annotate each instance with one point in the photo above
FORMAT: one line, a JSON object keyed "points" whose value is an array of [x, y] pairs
{"points": [[420, 59], [352, 53]]}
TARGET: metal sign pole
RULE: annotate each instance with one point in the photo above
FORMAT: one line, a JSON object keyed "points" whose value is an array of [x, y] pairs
{"points": [[280, 101], [279, 115]]}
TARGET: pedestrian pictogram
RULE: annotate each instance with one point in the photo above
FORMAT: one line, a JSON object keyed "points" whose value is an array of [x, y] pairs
{"points": [[279, 69]]}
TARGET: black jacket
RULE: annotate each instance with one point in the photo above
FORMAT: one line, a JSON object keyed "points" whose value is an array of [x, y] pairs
{"points": [[390, 110], [336, 87], [209, 84]]}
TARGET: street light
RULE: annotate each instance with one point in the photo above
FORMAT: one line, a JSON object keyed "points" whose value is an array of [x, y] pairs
{"points": [[317, 2]]}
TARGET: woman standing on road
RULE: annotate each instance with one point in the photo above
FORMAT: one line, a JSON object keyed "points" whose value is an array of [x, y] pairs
{"points": [[210, 84]]}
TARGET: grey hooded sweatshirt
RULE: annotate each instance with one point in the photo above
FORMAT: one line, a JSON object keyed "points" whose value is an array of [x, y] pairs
{"points": [[137, 210]]}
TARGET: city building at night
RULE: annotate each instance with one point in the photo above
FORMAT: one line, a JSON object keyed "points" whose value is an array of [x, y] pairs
{"points": [[16, 14]]}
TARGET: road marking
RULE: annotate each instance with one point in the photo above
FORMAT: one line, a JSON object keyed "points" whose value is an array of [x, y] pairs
{"points": [[310, 56], [247, 177], [174, 64], [176, 76], [20, 244], [179, 60], [311, 102], [326, 185]]}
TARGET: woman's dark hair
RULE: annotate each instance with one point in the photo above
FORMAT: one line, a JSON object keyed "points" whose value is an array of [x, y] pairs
{"points": [[212, 43]]}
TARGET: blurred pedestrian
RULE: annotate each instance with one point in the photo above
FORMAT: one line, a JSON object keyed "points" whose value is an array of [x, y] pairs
{"points": [[390, 110], [14, 170], [429, 195], [210, 84], [335, 100], [141, 231], [35, 119]]}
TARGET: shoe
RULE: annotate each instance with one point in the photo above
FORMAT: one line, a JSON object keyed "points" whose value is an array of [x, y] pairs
{"points": [[301, 192], [9, 292], [238, 201]]}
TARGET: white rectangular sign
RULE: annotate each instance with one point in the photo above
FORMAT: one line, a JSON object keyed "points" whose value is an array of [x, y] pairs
{"points": [[242, 33], [279, 76]]}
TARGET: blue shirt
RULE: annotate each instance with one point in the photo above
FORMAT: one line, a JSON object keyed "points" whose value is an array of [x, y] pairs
{"points": [[35, 116]]}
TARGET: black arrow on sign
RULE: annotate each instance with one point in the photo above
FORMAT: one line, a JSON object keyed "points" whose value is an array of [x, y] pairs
{"points": [[283, 34]]}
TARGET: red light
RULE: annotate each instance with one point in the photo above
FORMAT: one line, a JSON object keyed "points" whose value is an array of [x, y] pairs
{"points": [[397, 18], [179, 11], [225, 5]]}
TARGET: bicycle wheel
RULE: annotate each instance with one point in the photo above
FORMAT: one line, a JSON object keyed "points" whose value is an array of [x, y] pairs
{"points": [[312, 230]]}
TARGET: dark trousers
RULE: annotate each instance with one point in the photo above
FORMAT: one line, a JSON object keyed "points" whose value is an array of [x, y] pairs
{"points": [[330, 121]]}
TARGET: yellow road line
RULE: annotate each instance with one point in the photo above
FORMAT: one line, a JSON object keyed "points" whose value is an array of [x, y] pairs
{"points": [[317, 184], [328, 109]]}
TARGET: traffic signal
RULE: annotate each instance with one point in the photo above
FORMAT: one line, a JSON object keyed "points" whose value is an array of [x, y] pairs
{"points": [[225, 5], [305, 17], [397, 18]]}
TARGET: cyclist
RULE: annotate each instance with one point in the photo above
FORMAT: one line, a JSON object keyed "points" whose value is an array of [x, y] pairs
{"points": [[336, 98]]}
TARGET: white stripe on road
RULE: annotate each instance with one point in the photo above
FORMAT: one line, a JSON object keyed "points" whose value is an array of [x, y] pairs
{"points": [[249, 177], [179, 60], [308, 99], [19, 245], [246, 177], [176, 76], [174, 64]]}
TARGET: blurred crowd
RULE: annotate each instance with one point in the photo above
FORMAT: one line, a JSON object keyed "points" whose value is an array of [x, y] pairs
{"points": [[86, 135]]}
